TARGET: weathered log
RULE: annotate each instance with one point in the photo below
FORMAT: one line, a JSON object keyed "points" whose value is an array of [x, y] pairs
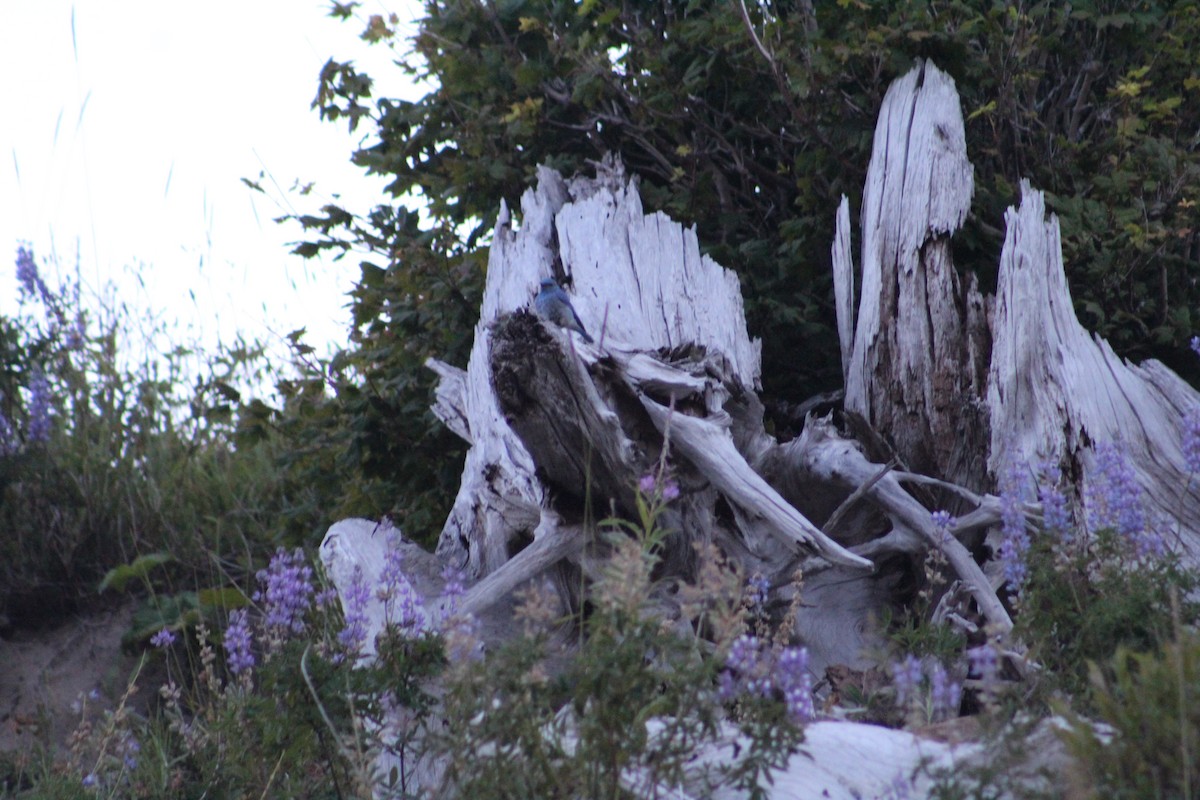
{"points": [[707, 444], [543, 410], [636, 278], [449, 396], [822, 456], [573, 409], [919, 350]]}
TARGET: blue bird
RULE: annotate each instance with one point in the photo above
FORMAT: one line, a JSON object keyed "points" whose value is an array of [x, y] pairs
{"points": [[553, 304]]}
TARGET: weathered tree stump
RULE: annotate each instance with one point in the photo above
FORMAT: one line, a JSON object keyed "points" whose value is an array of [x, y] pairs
{"points": [[918, 357], [956, 383], [1054, 390]]}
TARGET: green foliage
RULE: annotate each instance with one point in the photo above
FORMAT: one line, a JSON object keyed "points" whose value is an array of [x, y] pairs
{"points": [[912, 633], [215, 735], [301, 715], [116, 460], [141, 569], [1151, 700], [356, 434], [627, 712], [1085, 601], [508, 738]]}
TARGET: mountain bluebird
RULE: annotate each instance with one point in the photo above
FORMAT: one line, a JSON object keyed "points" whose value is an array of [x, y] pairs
{"points": [[553, 304]]}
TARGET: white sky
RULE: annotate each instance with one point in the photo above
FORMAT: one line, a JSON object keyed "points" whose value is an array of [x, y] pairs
{"points": [[125, 140]]}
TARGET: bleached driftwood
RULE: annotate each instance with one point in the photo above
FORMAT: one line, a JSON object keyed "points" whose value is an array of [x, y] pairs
{"points": [[820, 454], [963, 384], [449, 396], [707, 444], [917, 364], [533, 396], [1054, 389], [850, 761], [545, 411]]}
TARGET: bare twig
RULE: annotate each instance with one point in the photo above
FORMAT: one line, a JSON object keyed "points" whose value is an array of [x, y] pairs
{"points": [[754, 35], [835, 518]]}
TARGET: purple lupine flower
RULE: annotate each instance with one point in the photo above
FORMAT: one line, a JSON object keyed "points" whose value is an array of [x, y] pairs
{"points": [[27, 271], [1015, 490], [1056, 517], [391, 577], [1114, 500], [945, 694], [746, 665], [943, 524], [760, 683], [38, 429], [1111, 493], [1151, 542], [758, 589], [727, 686], [402, 605], [131, 748], [1195, 345], [646, 484], [792, 674], [237, 643], [751, 669], [985, 662], [8, 436], [289, 590], [907, 676], [743, 654], [411, 618], [452, 590], [354, 636], [27, 275], [1191, 440], [162, 639], [670, 491], [325, 598]]}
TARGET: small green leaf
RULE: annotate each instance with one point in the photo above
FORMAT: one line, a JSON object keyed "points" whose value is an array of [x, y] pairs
{"points": [[227, 598], [984, 109], [173, 612], [119, 576]]}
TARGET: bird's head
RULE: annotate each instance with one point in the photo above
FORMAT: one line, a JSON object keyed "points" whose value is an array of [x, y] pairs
{"points": [[548, 283]]}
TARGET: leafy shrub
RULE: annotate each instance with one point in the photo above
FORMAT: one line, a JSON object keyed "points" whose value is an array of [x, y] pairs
{"points": [[1150, 702], [1085, 595], [284, 703], [1082, 605], [631, 707], [109, 455]]}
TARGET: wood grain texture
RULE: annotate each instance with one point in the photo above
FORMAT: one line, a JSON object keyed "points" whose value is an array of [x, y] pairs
{"points": [[914, 372], [1055, 389]]}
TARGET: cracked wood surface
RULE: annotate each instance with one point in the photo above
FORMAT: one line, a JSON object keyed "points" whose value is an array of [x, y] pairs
{"points": [[914, 369]]}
